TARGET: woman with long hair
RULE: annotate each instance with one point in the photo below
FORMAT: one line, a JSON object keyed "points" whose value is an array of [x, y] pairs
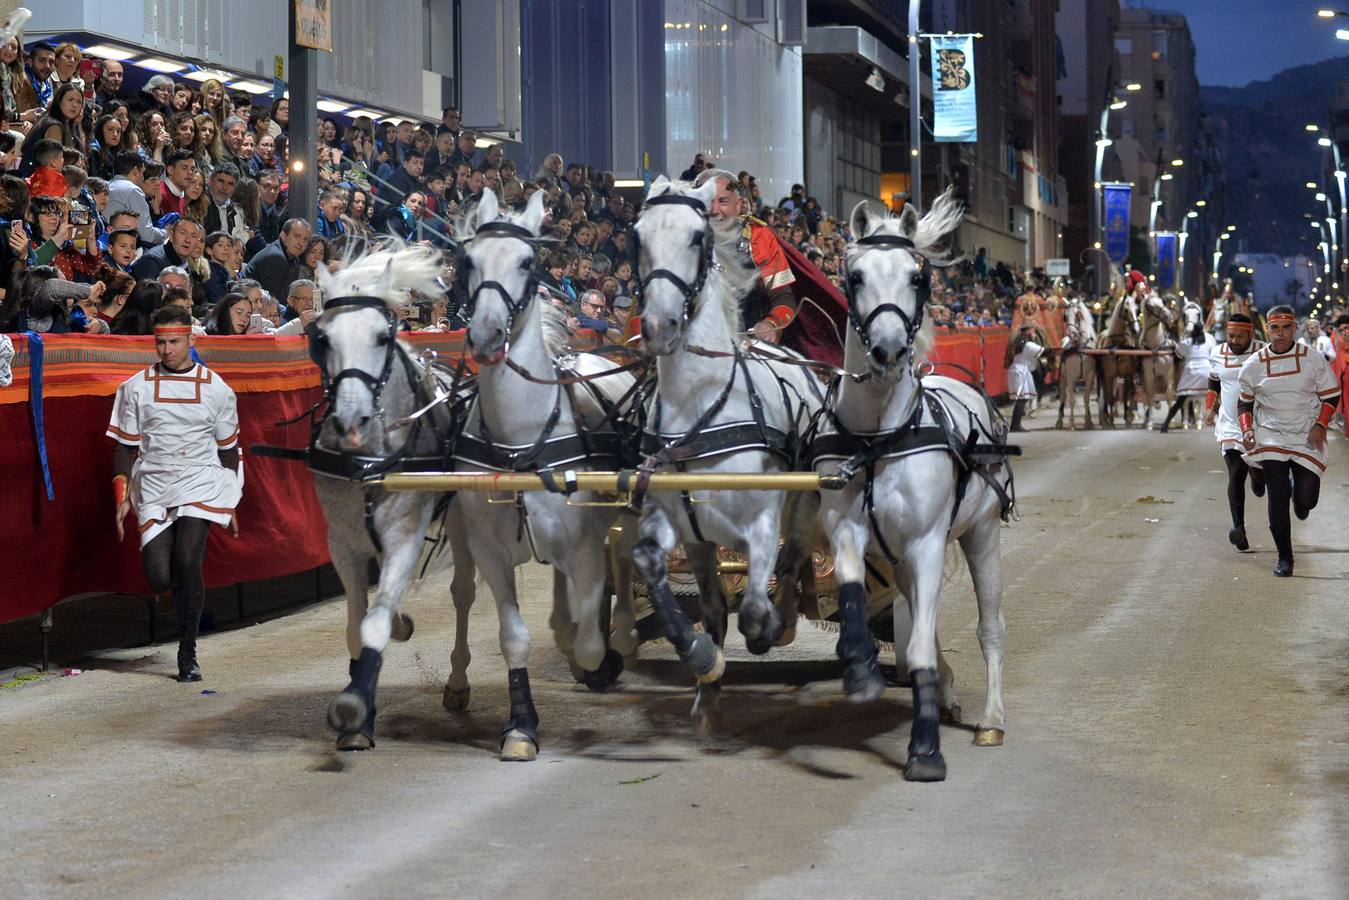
{"points": [[280, 116], [106, 144], [154, 136], [49, 229], [119, 111], [315, 255], [16, 91], [119, 286], [229, 315], [183, 96], [215, 102], [329, 131], [183, 130], [208, 148], [135, 315], [196, 202], [63, 122], [247, 198]]}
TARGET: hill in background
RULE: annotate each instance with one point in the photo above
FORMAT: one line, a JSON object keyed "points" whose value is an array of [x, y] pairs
{"points": [[1269, 157]]}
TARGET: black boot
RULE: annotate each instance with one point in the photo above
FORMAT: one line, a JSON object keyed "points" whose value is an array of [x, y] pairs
{"points": [[188, 670], [1284, 567], [1238, 538], [1018, 410]]}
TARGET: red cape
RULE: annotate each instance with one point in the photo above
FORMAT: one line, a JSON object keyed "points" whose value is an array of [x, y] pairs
{"points": [[821, 324]]}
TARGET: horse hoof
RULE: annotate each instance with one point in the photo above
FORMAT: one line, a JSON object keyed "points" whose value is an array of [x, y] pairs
{"points": [[706, 725], [866, 689], [951, 714], [455, 699], [1058, 426], [402, 627], [718, 669], [577, 673], [786, 638], [988, 737], [354, 741], [926, 768], [347, 712], [606, 676], [758, 646], [516, 746]]}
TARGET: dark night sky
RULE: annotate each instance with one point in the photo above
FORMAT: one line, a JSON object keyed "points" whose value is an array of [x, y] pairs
{"points": [[1239, 41]]}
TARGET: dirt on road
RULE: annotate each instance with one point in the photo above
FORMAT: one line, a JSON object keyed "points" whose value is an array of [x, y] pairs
{"points": [[1178, 726]]}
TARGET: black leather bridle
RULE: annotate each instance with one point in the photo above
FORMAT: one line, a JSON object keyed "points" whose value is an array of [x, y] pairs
{"points": [[922, 283], [463, 265], [318, 349], [703, 241]]}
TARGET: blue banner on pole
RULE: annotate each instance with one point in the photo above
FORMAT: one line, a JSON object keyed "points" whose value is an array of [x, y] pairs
{"points": [[1166, 260], [1117, 220], [955, 113]]}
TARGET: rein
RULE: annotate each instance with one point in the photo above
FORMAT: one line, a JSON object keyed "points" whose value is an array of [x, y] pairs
{"points": [[463, 265]]}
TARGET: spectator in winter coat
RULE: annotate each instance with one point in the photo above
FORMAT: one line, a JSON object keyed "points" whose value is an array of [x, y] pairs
{"points": [[281, 262]]}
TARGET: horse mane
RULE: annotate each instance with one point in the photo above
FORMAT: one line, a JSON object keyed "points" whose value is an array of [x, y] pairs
{"points": [[389, 272]]}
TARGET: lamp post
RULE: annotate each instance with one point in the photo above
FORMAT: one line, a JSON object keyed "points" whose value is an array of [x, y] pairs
{"points": [[915, 111], [1112, 102]]}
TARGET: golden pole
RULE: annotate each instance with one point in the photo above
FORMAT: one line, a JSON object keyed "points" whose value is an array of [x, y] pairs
{"points": [[608, 482]]}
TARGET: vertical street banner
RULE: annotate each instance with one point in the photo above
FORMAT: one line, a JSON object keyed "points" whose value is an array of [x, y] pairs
{"points": [[1117, 220], [1166, 260], [955, 114]]}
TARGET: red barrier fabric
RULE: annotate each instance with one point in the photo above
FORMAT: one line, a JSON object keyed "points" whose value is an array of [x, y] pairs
{"points": [[68, 546]]}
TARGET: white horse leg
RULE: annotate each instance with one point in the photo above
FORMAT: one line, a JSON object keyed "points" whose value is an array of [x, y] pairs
{"points": [[520, 737], [759, 621], [623, 629], [796, 561], [926, 560], [983, 555], [560, 620], [463, 590], [600, 666], [402, 528], [353, 570], [1088, 388], [698, 651]]}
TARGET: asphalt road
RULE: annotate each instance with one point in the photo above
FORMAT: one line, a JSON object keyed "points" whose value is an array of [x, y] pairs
{"points": [[1178, 726]]}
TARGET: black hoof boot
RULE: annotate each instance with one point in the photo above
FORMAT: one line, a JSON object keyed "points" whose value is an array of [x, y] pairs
{"points": [[925, 759], [606, 676], [862, 679], [1284, 567], [1238, 538], [352, 712]]}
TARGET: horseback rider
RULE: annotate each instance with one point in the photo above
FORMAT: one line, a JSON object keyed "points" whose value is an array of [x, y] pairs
{"points": [[771, 306]]}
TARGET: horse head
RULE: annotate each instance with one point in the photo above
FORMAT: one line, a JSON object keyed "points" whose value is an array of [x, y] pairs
{"points": [[354, 341], [1081, 329], [673, 251], [498, 269], [889, 280], [1192, 318]]}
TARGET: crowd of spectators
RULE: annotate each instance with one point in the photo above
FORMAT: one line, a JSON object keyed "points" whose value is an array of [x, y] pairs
{"points": [[114, 202]]}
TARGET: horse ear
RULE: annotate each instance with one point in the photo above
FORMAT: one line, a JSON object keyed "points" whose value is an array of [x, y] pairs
{"points": [[861, 222], [706, 192], [658, 187], [533, 215], [908, 221], [487, 207]]}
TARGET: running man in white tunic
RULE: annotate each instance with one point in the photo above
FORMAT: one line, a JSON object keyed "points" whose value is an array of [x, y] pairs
{"points": [[1220, 413], [176, 465], [1288, 395], [1025, 356]]}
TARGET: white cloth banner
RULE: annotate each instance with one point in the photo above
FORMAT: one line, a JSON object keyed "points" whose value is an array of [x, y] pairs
{"points": [[954, 109]]}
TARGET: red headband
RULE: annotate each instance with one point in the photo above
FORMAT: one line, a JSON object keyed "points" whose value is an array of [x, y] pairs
{"points": [[1281, 317], [1239, 326], [172, 329]]}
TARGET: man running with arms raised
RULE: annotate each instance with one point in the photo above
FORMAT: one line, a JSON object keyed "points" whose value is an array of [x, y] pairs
{"points": [[177, 466], [1288, 394]]}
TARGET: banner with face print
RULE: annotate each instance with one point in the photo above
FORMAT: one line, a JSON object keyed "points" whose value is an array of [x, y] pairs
{"points": [[955, 114]]}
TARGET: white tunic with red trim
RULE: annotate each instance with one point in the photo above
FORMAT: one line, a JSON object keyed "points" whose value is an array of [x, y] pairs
{"points": [[1225, 366], [1195, 365], [180, 421], [1287, 389]]}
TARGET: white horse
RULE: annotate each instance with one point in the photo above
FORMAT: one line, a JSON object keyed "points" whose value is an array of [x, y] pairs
{"points": [[913, 493], [719, 409], [1158, 321], [373, 382], [1080, 335], [521, 424]]}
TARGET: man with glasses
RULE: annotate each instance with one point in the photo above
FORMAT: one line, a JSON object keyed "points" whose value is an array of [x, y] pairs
{"points": [[594, 310]]}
